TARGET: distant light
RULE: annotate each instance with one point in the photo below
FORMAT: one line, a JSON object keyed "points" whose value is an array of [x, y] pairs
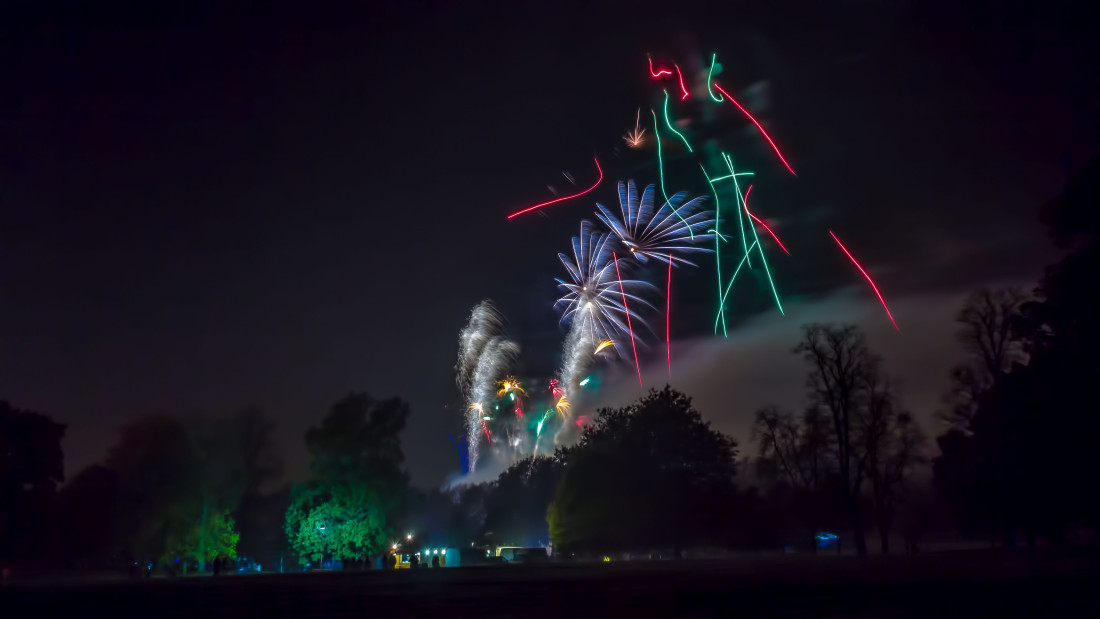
{"points": [[409, 536], [585, 381], [395, 546]]}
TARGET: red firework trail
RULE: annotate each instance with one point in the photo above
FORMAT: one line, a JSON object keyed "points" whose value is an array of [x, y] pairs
{"points": [[758, 126], [626, 310], [576, 195], [668, 315], [761, 221], [659, 72], [869, 280], [682, 87]]}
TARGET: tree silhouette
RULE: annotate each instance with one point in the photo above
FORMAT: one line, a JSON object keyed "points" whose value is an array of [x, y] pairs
{"points": [[988, 322], [892, 445], [1024, 458], [797, 452], [31, 467], [840, 363], [518, 500], [651, 474], [159, 479], [86, 507]]}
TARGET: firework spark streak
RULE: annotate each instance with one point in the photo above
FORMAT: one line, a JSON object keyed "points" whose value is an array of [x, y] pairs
{"points": [[658, 73], [758, 126], [721, 316], [868, 277], [668, 315], [661, 169], [761, 222], [668, 121], [654, 233], [759, 247], [710, 77], [634, 139], [682, 87], [740, 218], [733, 279], [628, 327], [563, 198]]}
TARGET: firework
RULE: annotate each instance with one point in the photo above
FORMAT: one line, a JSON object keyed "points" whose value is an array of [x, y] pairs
{"points": [[484, 355], [634, 138], [867, 277], [576, 195], [484, 324], [760, 127], [593, 303], [672, 230], [497, 355]]}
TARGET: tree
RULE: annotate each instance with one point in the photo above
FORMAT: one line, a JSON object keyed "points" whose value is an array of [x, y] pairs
{"points": [[320, 525], [987, 324], [237, 459], [647, 475], [86, 507], [1024, 459], [359, 486], [159, 477], [206, 540], [518, 500], [891, 444], [31, 467], [839, 363], [797, 452]]}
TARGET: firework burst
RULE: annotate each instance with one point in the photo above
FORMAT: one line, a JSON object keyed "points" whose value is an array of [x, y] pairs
{"points": [[647, 232]]}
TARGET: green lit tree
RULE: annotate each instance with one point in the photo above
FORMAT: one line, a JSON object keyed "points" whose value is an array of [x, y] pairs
{"points": [[359, 486], [208, 539]]}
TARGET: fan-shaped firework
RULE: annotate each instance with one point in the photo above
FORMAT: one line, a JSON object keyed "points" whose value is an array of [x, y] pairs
{"points": [[594, 299], [646, 232], [595, 303]]}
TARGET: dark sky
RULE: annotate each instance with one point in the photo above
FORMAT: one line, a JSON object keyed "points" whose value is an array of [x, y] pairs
{"points": [[201, 210]]}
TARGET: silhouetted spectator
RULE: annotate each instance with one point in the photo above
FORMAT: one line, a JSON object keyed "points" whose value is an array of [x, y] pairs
{"points": [[414, 562], [435, 561]]}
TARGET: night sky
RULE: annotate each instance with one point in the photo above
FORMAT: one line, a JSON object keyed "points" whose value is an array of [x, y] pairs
{"points": [[205, 210]]}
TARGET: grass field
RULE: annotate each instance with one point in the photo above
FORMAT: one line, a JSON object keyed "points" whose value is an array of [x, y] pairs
{"points": [[954, 584]]}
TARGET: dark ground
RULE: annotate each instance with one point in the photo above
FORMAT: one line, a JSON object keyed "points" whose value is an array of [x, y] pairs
{"points": [[959, 584]]}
